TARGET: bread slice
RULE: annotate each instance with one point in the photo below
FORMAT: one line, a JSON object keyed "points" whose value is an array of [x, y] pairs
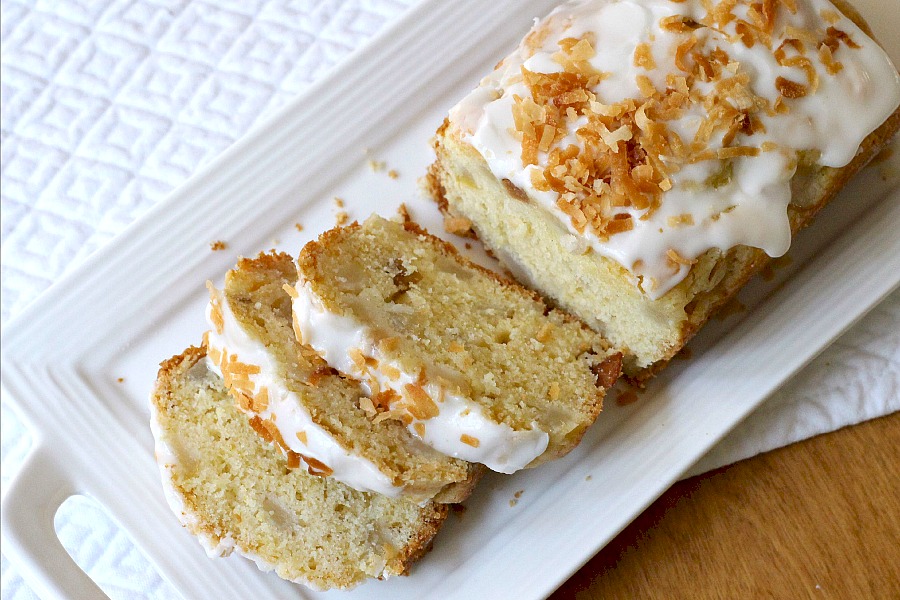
{"points": [[313, 414], [475, 365], [230, 489], [544, 254]]}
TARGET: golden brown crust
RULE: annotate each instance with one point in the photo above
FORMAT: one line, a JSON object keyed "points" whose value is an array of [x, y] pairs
{"points": [[166, 368], [268, 260], [607, 373], [454, 493], [423, 542]]}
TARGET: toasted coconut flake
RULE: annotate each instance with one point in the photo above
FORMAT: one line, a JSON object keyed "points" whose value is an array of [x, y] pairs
{"points": [[681, 52], [358, 358], [295, 325], [316, 467], [791, 5], [395, 415], [257, 424], [735, 151], [470, 440], [388, 344], [807, 36], [612, 138], [261, 400], [239, 368], [274, 433], [678, 259], [403, 213], [420, 405], [643, 56], [392, 373], [830, 16], [834, 37], [790, 89], [215, 309], [832, 66], [301, 435], [214, 355], [244, 402], [384, 400], [678, 24], [645, 86], [419, 428], [681, 220], [535, 40], [293, 460]]}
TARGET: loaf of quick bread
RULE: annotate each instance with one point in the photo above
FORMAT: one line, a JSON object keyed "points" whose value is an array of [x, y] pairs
{"points": [[638, 161], [236, 493]]}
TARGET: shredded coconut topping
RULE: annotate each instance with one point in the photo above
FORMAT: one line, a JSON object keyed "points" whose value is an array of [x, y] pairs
{"points": [[624, 115]]}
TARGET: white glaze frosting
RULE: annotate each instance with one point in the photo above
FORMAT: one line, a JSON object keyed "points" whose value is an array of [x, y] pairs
{"points": [[833, 120], [288, 412], [336, 337]]}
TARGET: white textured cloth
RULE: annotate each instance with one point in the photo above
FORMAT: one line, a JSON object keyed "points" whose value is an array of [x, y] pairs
{"points": [[107, 106]]}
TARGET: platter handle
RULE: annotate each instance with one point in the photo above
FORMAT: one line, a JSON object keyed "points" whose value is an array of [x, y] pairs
{"points": [[29, 537]]}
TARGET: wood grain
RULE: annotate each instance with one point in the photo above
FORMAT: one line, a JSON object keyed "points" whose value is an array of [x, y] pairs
{"points": [[817, 519]]}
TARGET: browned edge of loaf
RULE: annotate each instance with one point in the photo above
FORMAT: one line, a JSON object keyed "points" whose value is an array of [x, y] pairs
{"points": [[459, 491], [753, 259], [168, 370], [422, 543], [433, 516], [607, 372], [452, 493]]}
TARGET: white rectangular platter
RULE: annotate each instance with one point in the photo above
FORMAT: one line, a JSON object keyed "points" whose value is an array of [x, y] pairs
{"points": [[140, 300]]}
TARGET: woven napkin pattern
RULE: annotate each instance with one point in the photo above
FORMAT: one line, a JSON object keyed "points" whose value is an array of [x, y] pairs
{"points": [[107, 106]]}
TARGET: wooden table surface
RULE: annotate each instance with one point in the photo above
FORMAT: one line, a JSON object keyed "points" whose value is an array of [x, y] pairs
{"points": [[817, 519]]}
